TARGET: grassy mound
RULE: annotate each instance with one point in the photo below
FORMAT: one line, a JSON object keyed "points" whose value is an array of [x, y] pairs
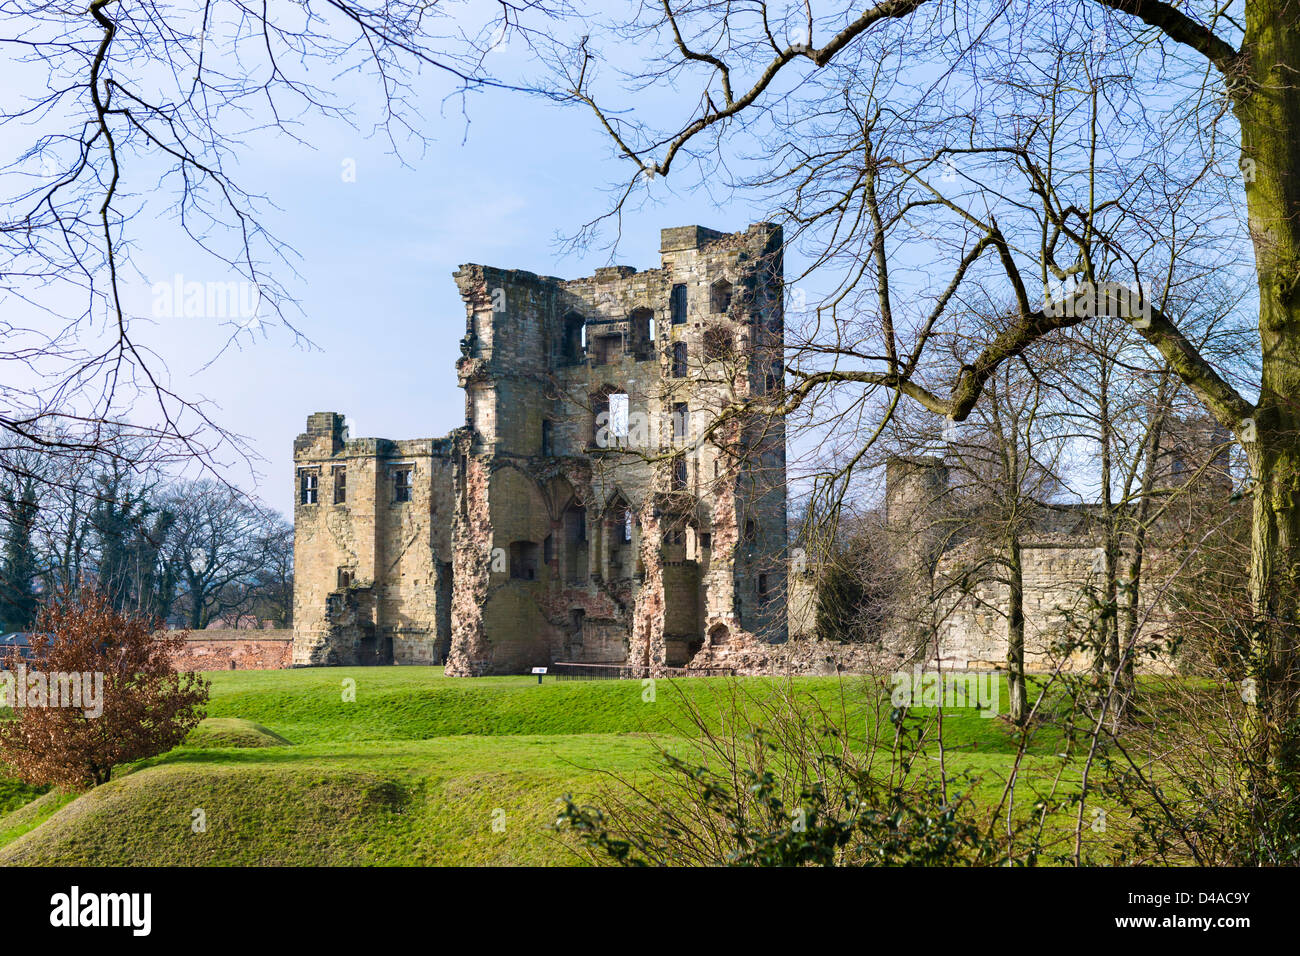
{"points": [[402, 766], [215, 732], [312, 705], [455, 802]]}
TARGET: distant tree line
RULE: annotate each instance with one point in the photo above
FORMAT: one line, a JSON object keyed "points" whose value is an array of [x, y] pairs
{"points": [[187, 551]]}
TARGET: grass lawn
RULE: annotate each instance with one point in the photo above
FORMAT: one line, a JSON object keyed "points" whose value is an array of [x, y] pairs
{"points": [[416, 769]]}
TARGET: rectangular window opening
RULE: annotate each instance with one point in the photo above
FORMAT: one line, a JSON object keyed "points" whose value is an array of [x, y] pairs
{"points": [[677, 304], [679, 474], [401, 484], [681, 420], [618, 414], [309, 485]]}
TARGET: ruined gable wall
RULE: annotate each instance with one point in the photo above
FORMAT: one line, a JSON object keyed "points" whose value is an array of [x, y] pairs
{"points": [[519, 370], [406, 573], [470, 653], [437, 570], [496, 626], [325, 537], [619, 473], [741, 477]]}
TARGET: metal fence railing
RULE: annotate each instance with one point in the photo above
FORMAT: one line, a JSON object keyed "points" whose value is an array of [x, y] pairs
{"points": [[564, 670]]}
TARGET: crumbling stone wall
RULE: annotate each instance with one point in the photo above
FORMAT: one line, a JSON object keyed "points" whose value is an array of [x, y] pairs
{"points": [[1061, 560], [597, 507], [634, 531], [545, 530]]}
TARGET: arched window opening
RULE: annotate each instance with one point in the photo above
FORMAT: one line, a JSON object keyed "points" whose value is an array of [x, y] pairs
{"points": [[575, 335], [720, 296]]}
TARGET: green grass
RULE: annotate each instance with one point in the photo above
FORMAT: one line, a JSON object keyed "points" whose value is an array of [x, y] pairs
{"points": [[15, 794], [417, 769], [222, 732]]}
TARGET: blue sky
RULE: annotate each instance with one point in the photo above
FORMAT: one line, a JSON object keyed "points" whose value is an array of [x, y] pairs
{"points": [[498, 183], [499, 180]]}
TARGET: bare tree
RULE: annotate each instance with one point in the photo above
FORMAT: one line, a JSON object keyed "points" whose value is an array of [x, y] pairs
{"points": [[220, 545], [1005, 466], [271, 593], [138, 112], [148, 542], [875, 129]]}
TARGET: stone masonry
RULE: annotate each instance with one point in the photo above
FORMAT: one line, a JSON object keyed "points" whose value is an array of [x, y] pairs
{"points": [[1062, 564], [219, 649], [596, 507]]}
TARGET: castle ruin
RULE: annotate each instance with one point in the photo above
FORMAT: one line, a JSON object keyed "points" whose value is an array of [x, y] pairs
{"points": [[597, 506], [613, 498], [963, 600]]}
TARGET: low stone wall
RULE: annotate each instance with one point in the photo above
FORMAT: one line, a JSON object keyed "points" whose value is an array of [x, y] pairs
{"points": [[805, 656], [226, 649]]}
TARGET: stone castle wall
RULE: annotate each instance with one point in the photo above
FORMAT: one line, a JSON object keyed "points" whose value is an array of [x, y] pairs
{"points": [[1062, 571], [585, 512], [370, 560], [595, 507]]}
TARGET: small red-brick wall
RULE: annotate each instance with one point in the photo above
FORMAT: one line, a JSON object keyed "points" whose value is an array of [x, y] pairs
{"points": [[224, 649]]}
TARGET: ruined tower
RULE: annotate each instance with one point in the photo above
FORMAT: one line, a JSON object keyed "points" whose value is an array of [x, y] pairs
{"points": [[372, 546], [597, 506], [916, 489]]}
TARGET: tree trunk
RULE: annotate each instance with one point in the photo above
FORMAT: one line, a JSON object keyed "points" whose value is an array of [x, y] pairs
{"points": [[1267, 104], [1107, 651], [1271, 696], [1016, 633], [1132, 590]]}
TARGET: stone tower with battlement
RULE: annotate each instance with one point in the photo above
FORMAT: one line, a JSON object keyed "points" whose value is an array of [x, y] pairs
{"points": [[596, 507]]}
